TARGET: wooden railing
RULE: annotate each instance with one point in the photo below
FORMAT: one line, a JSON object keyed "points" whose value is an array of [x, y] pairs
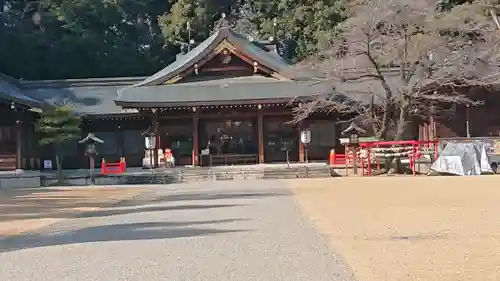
{"points": [[229, 159], [8, 162], [339, 159], [108, 168]]}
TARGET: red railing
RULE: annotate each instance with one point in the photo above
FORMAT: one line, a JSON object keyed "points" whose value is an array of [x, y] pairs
{"points": [[339, 159], [113, 168], [414, 145]]}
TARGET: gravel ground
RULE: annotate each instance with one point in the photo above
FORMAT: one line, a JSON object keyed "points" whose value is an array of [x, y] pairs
{"points": [[409, 228], [236, 230]]}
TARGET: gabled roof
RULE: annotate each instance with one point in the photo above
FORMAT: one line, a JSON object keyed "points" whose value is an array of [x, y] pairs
{"points": [[91, 137], [161, 88], [243, 45]]}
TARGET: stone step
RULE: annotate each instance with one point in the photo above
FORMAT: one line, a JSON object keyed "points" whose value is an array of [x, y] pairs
{"points": [[180, 175]]}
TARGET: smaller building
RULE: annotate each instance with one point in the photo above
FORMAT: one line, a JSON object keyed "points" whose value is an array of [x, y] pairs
{"points": [[18, 145]]}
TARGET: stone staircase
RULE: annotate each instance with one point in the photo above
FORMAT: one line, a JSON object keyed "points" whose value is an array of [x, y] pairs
{"points": [[247, 173], [194, 174], [297, 172], [197, 174]]}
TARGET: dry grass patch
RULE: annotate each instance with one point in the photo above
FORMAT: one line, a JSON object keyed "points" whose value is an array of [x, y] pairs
{"points": [[406, 228]]}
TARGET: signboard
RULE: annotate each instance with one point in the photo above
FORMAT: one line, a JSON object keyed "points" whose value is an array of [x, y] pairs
{"points": [[305, 136], [361, 139], [205, 151], [47, 164]]}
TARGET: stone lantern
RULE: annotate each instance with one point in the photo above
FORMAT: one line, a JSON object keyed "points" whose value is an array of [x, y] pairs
{"points": [[90, 142], [353, 132]]}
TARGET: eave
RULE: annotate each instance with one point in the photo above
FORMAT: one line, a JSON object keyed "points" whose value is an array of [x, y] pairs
{"points": [[215, 104]]}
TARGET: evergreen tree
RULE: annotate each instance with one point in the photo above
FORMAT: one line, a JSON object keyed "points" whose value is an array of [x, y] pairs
{"points": [[54, 39], [57, 127]]}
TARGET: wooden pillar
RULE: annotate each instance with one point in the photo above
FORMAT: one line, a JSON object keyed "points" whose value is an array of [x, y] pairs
{"points": [[120, 141], [260, 135], [302, 158], [423, 133], [196, 149], [432, 124], [431, 129], [154, 128], [339, 148], [19, 144]]}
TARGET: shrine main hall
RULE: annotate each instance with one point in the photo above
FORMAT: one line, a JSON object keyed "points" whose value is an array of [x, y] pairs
{"points": [[230, 95]]}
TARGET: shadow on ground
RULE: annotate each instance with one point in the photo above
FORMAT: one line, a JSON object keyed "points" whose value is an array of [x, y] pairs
{"points": [[46, 203], [117, 232], [209, 196], [115, 211], [118, 211]]}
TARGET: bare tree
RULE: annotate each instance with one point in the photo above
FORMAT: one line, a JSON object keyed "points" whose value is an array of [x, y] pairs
{"points": [[417, 57]]}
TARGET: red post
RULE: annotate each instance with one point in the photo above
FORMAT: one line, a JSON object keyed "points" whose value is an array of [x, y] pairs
{"points": [[332, 157], [103, 166], [120, 166], [362, 165], [369, 172], [413, 159], [124, 164]]}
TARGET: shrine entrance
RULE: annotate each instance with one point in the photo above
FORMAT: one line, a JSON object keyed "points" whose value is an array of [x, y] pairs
{"points": [[281, 140], [229, 141]]}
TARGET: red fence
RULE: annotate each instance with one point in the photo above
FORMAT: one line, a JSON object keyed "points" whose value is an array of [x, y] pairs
{"points": [[337, 158], [413, 150], [113, 168]]}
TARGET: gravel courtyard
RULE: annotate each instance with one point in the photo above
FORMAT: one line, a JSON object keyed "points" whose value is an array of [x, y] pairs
{"points": [[407, 228], [236, 230]]}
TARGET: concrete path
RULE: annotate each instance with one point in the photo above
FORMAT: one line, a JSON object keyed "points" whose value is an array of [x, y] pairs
{"points": [[236, 230]]}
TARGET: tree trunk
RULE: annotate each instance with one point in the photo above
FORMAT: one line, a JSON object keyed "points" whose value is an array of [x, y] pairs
{"points": [[59, 161], [393, 164], [59, 174]]}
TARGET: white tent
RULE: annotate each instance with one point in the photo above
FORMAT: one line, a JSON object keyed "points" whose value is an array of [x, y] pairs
{"points": [[463, 159]]}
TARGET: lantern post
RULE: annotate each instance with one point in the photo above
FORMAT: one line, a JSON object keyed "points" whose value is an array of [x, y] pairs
{"points": [[90, 142], [150, 145], [305, 138], [353, 131]]}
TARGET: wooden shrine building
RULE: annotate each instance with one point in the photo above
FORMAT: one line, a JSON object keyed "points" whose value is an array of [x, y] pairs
{"points": [[229, 95]]}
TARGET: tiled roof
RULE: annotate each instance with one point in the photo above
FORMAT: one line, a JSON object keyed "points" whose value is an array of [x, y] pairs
{"points": [[85, 100], [10, 91], [103, 96], [225, 91]]}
